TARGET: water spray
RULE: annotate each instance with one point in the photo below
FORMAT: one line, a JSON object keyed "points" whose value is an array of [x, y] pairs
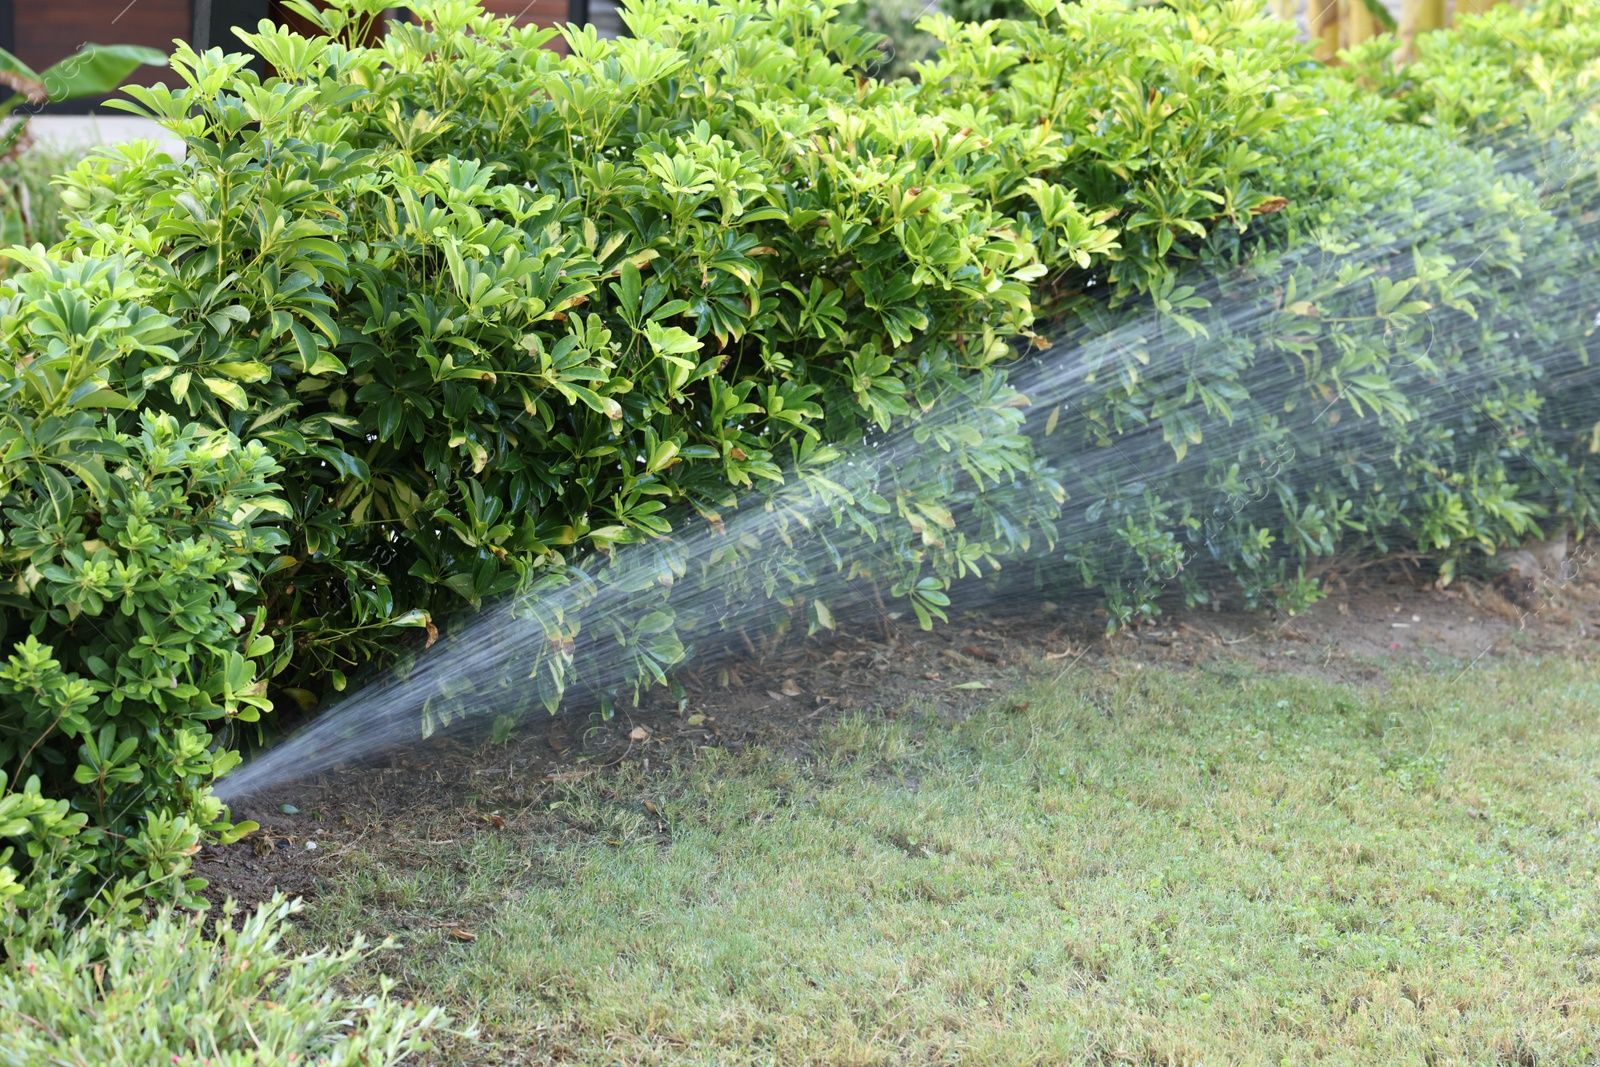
{"points": [[1291, 420]]}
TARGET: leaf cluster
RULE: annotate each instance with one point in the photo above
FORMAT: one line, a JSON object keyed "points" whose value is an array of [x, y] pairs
{"points": [[172, 993]]}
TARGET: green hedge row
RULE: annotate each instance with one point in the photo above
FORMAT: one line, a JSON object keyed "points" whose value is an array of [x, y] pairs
{"points": [[1397, 362], [418, 326], [489, 310]]}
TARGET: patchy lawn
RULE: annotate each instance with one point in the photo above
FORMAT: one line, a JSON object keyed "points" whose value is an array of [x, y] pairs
{"points": [[1129, 865]]}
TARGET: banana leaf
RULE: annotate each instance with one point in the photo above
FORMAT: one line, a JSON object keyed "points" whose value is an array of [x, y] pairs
{"points": [[92, 70], [1380, 14]]}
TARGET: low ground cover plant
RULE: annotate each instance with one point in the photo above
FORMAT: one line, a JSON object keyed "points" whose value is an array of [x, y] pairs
{"points": [[174, 993]]}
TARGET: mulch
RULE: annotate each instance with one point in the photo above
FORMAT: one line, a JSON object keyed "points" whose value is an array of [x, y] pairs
{"points": [[778, 697]]}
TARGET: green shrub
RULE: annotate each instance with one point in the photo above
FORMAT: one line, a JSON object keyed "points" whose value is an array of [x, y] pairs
{"points": [[1525, 81], [453, 317], [122, 553], [1512, 68], [492, 309], [1385, 365], [1136, 98], [1369, 373], [171, 993]]}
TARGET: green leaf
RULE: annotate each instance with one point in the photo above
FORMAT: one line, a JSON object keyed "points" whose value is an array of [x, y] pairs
{"points": [[657, 622], [1380, 14], [671, 340], [106, 398], [230, 393], [243, 372], [96, 69]]}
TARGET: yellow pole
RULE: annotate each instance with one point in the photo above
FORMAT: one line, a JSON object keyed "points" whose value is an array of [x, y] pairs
{"points": [[1474, 7], [1356, 23], [1322, 18], [1418, 16]]}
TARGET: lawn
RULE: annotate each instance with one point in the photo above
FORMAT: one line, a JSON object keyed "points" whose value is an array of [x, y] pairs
{"points": [[1127, 865]]}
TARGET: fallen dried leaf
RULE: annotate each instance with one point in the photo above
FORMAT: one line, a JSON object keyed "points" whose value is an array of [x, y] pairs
{"points": [[789, 688], [775, 695], [494, 820], [558, 742], [651, 807], [639, 733], [695, 720], [463, 935]]}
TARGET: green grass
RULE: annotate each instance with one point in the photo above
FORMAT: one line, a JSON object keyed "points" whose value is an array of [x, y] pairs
{"points": [[30, 207], [1154, 869]]}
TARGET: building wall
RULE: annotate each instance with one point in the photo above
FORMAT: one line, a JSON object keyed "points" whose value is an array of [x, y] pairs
{"points": [[531, 12], [535, 13], [606, 19], [44, 32]]}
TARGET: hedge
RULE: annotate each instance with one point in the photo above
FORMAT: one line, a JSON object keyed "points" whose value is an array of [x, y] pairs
{"points": [[623, 342], [1393, 364]]}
